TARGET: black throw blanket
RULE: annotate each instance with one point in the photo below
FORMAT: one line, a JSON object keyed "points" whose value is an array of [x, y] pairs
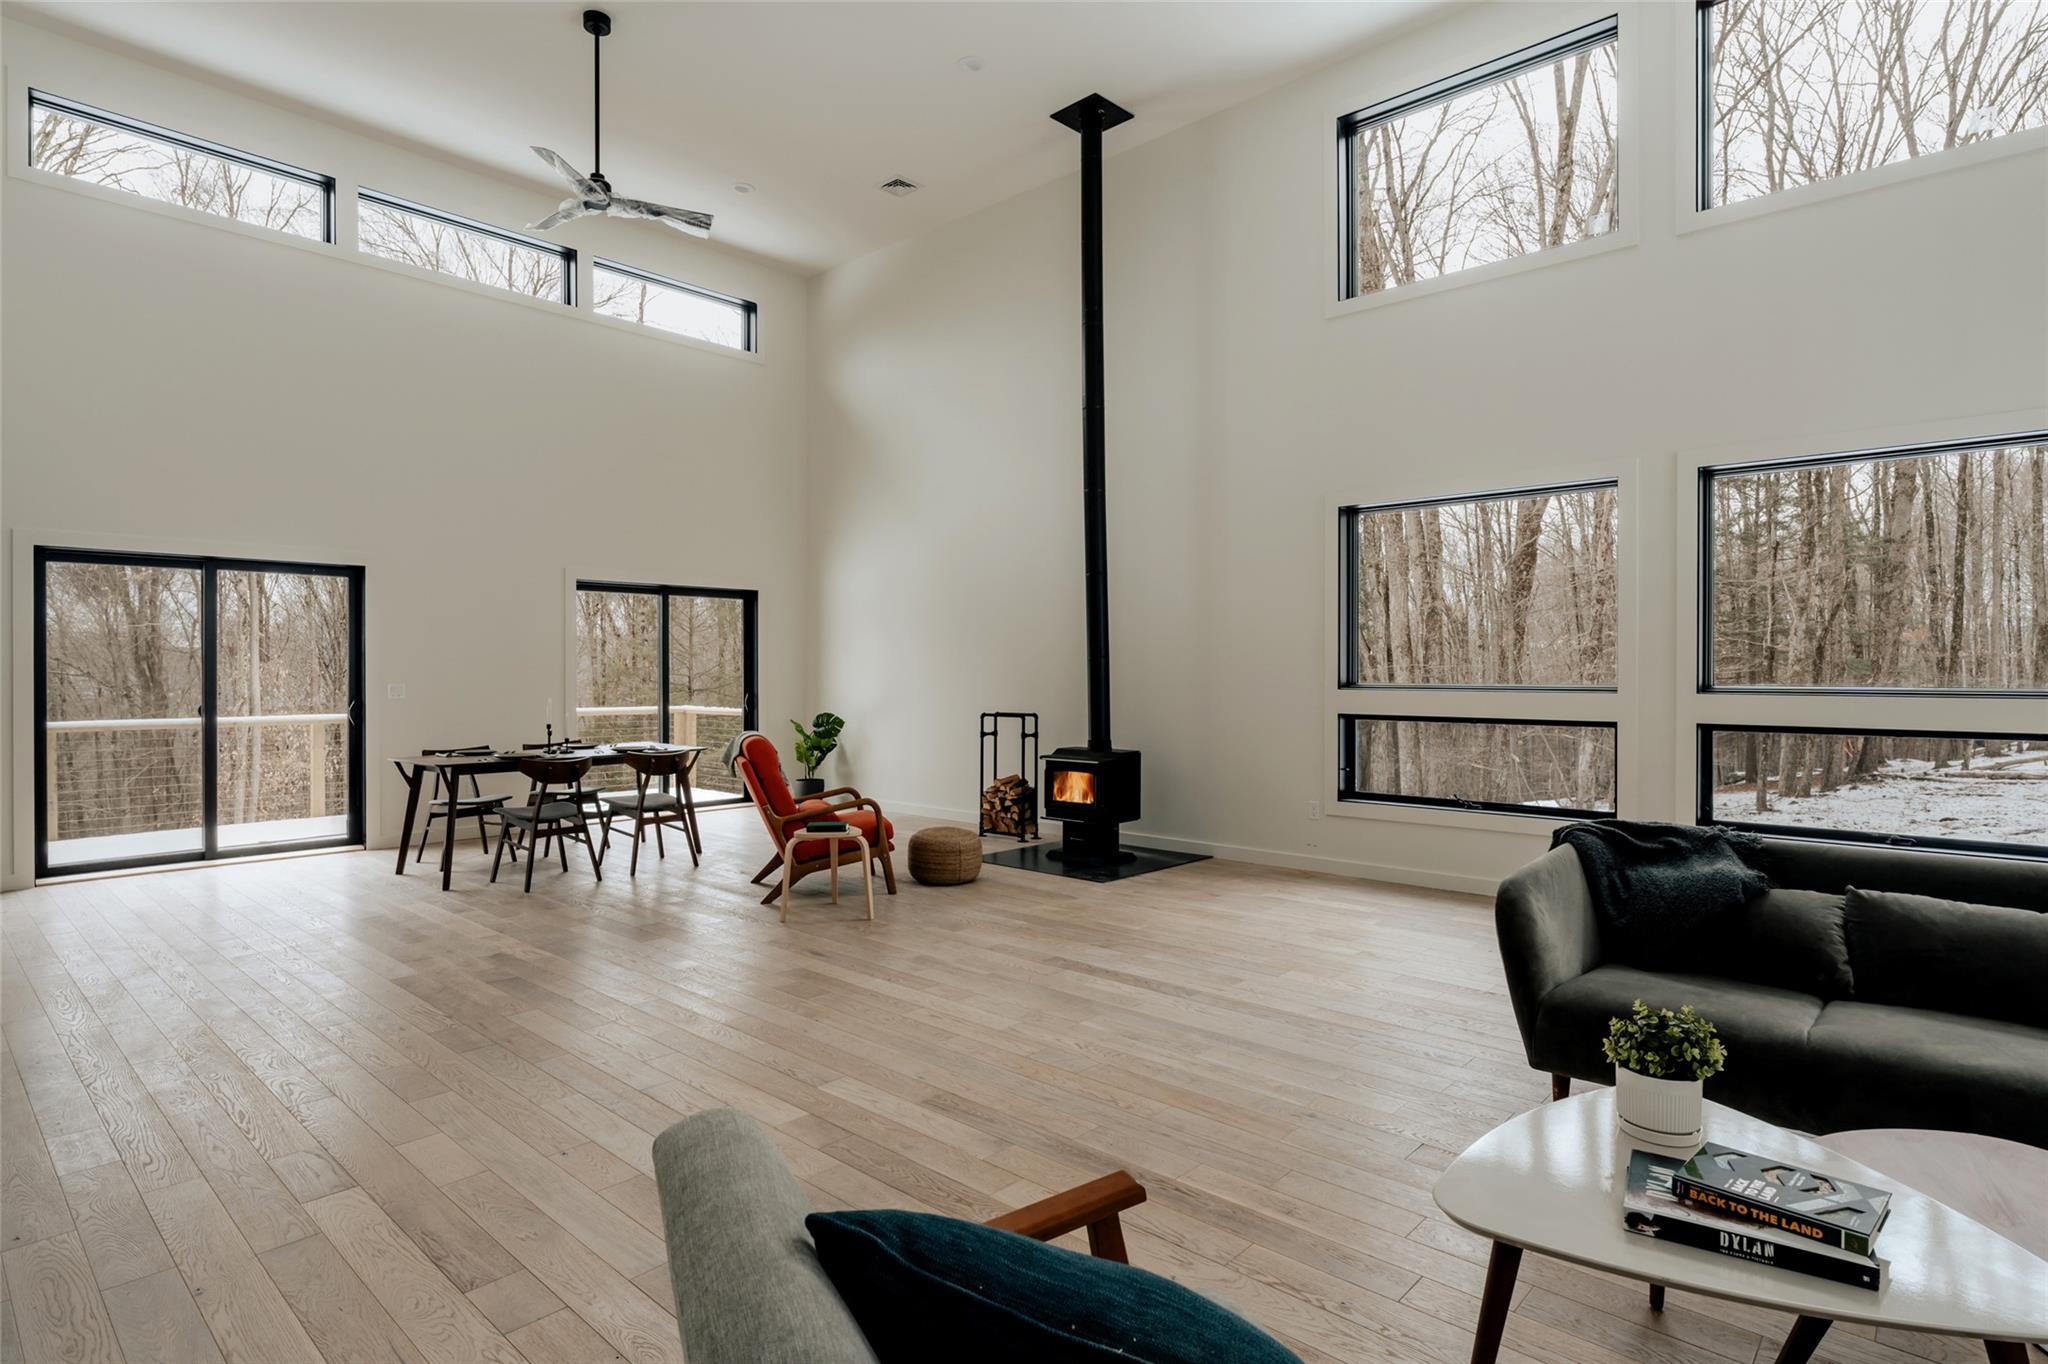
{"points": [[1654, 884]]}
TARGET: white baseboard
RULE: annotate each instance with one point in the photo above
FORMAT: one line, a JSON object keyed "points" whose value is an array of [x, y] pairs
{"points": [[1265, 857]]}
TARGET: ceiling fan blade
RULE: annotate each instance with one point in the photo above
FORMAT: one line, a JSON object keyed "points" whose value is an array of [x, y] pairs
{"points": [[682, 219], [570, 209], [581, 183]]}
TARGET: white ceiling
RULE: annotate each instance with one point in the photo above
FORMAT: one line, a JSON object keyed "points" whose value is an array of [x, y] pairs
{"points": [[815, 104]]}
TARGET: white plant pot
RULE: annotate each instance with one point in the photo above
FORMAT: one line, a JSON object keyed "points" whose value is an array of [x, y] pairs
{"points": [[1662, 1112]]}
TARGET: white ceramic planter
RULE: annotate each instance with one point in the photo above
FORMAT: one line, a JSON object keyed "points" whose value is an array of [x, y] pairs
{"points": [[1662, 1112]]}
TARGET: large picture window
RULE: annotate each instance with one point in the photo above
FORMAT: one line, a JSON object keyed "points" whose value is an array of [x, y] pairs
{"points": [[81, 142], [1511, 589], [1977, 791], [1458, 610], [1794, 92], [1514, 156], [1916, 569], [668, 664], [1911, 586]]}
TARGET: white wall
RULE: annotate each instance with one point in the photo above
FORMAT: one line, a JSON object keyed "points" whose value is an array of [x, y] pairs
{"points": [[1243, 409], [172, 383]]}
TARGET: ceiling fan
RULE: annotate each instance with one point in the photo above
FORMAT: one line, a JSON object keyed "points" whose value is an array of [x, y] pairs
{"points": [[593, 192]]}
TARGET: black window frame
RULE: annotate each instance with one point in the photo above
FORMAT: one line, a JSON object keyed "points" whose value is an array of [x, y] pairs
{"points": [[209, 568], [39, 98], [1703, 767], [1348, 520], [1347, 768], [1703, 105], [1584, 38], [567, 254], [750, 311], [1703, 645], [750, 662]]}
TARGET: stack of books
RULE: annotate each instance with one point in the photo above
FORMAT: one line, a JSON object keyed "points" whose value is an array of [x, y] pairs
{"points": [[1755, 1208]]}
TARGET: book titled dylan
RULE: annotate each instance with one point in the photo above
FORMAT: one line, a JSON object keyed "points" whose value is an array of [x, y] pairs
{"points": [[1651, 1207], [1775, 1195]]}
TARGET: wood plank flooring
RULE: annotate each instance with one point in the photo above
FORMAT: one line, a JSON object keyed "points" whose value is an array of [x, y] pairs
{"points": [[307, 1110]]}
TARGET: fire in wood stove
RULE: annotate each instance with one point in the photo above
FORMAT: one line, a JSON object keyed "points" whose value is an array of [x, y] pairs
{"points": [[1073, 788]]}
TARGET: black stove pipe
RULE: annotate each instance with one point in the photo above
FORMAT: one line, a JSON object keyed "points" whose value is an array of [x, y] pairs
{"points": [[1090, 117]]}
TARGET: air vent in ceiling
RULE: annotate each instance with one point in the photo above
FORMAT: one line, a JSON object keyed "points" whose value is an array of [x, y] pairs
{"points": [[898, 187]]}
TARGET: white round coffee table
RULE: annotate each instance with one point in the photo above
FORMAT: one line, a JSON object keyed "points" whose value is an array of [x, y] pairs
{"points": [[1548, 1181]]}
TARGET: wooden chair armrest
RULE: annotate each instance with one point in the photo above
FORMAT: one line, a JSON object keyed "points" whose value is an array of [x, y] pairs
{"points": [[835, 791], [1093, 1205]]}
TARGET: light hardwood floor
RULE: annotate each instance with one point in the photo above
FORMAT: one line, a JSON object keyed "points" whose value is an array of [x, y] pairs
{"points": [[307, 1110]]}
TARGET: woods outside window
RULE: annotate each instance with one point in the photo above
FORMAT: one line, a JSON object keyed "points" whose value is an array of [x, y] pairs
{"points": [[1796, 92], [1907, 585], [1510, 157], [1514, 593]]}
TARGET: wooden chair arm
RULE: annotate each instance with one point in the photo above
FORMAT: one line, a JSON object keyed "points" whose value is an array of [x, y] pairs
{"points": [[835, 791], [1093, 1205]]}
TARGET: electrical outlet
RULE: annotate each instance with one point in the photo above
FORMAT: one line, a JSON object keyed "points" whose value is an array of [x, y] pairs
{"points": [[1315, 809], [395, 692]]}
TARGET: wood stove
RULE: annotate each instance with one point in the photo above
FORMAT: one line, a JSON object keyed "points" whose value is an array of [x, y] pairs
{"points": [[1093, 788], [1091, 791]]}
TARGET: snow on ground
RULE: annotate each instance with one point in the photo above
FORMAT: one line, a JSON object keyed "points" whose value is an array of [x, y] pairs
{"points": [[1908, 798]]}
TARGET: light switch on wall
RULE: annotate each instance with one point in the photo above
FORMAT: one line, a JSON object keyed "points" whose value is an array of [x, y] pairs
{"points": [[395, 692]]}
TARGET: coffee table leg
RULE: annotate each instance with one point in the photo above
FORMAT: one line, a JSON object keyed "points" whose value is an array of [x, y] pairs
{"points": [[1501, 1267], [1803, 1339]]}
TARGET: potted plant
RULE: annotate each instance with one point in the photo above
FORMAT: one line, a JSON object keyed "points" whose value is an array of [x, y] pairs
{"points": [[1662, 1060], [813, 746]]}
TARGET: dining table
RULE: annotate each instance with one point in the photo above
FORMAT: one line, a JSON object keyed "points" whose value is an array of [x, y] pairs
{"points": [[453, 765]]}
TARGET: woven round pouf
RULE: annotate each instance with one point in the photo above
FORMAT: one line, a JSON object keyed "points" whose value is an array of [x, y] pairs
{"points": [[945, 857]]}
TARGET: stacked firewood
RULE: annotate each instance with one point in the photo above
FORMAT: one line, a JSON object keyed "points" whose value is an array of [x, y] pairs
{"points": [[1010, 806]]}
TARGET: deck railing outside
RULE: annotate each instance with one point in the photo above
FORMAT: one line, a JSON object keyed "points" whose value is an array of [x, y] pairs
{"points": [[110, 777], [713, 726]]}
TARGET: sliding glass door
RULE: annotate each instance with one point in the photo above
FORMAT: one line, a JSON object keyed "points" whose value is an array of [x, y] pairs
{"points": [[191, 708], [673, 664]]}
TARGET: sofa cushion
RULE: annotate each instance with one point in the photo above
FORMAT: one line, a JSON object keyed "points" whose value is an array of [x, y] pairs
{"points": [[1879, 1065], [1987, 961], [1815, 864], [747, 1282], [863, 820], [1791, 939], [1764, 1028], [913, 1279]]}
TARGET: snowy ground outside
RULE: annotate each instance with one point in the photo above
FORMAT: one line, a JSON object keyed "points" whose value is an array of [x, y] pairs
{"points": [[2009, 805]]}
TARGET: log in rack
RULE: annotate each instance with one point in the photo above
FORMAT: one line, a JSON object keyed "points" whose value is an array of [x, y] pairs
{"points": [[989, 765]]}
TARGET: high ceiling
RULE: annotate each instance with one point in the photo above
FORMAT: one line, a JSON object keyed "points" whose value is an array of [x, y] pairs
{"points": [[814, 104]]}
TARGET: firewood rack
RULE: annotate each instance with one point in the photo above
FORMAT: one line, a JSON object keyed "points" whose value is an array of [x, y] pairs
{"points": [[989, 761]]}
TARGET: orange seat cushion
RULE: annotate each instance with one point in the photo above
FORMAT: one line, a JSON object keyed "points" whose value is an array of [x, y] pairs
{"points": [[863, 820]]}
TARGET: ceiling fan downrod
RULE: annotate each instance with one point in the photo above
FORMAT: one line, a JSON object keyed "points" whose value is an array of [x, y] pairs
{"points": [[597, 24]]}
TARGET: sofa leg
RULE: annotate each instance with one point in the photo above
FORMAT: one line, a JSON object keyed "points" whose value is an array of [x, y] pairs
{"points": [[1560, 1087], [1656, 1297]]}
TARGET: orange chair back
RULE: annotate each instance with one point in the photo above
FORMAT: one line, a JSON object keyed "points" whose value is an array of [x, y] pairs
{"points": [[760, 767]]}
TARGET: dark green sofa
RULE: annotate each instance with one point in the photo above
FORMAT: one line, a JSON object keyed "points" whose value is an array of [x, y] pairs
{"points": [[1888, 1013]]}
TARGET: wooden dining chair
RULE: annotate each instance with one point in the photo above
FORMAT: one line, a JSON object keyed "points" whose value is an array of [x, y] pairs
{"points": [[649, 807], [476, 805], [554, 811]]}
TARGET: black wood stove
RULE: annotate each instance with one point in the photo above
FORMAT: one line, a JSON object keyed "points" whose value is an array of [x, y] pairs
{"points": [[1095, 788]]}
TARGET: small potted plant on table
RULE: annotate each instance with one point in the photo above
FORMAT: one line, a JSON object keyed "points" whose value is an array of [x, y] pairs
{"points": [[1662, 1060], [813, 746]]}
